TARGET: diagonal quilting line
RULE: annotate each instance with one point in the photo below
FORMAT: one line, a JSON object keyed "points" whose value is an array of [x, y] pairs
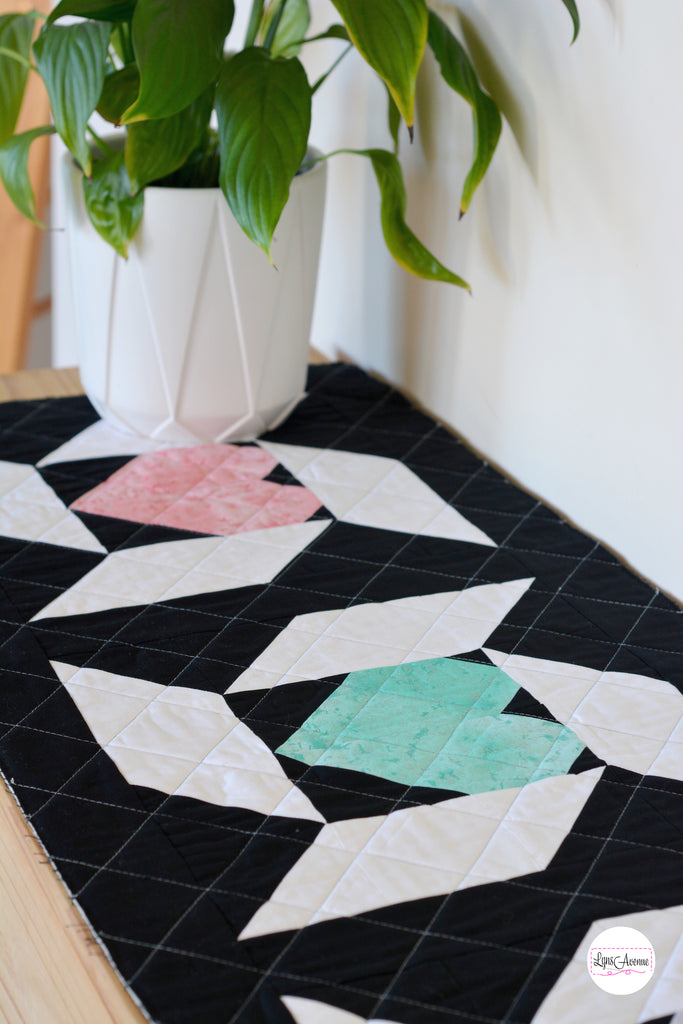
{"points": [[112, 482], [292, 549], [99, 441], [32, 492], [164, 565], [447, 617], [11, 603], [393, 561], [388, 471], [300, 978], [225, 543], [114, 599], [256, 541], [108, 690], [138, 645], [592, 721], [274, 499], [240, 477], [569, 600], [181, 555], [257, 832], [34, 675], [195, 473], [377, 482]]}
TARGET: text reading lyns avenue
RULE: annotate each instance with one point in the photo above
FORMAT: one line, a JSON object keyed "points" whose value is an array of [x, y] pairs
{"points": [[619, 963]]}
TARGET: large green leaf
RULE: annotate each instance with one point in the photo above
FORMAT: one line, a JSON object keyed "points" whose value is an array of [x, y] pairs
{"points": [[157, 148], [118, 92], [113, 211], [295, 17], [16, 31], [401, 242], [72, 60], [458, 72], [14, 170], [179, 49], [264, 116], [574, 12], [98, 10], [391, 36]]}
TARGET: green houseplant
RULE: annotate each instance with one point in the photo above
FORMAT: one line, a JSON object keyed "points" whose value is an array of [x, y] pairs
{"points": [[157, 66], [198, 118]]}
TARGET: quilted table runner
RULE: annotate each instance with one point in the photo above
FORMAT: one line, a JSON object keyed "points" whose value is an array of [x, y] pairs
{"points": [[340, 725]]}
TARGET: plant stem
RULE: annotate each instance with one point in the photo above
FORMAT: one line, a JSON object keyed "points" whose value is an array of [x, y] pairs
{"points": [[104, 146], [126, 45], [274, 25], [331, 69], [254, 22], [4, 52]]}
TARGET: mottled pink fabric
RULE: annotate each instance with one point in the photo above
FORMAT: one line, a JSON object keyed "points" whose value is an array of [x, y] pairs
{"points": [[209, 488]]}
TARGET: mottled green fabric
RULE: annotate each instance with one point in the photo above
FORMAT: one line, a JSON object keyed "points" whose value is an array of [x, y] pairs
{"points": [[437, 723]]}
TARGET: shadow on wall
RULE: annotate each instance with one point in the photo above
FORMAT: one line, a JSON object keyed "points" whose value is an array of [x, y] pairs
{"points": [[514, 48]]}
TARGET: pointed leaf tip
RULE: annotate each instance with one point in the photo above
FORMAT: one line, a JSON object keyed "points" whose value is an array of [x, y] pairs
{"points": [[390, 35], [403, 245], [574, 14], [458, 73]]}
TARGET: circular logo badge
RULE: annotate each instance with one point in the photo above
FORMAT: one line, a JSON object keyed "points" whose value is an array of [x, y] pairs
{"points": [[621, 961]]}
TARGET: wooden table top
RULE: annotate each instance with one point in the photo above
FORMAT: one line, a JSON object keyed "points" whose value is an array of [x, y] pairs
{"points": [[26, 384]]}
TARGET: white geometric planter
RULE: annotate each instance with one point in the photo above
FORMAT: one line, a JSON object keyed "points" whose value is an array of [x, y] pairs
{"points": [[195, 336]]}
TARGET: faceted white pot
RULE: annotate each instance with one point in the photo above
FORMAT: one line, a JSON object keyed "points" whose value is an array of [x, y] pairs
{"points": [[195, 336]]}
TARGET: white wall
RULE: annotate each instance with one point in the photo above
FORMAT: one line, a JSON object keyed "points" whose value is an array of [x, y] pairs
{"points": [[566, 365]]}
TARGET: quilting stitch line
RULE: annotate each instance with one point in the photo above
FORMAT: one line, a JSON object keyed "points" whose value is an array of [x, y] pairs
{"points": [[299, 978]]}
